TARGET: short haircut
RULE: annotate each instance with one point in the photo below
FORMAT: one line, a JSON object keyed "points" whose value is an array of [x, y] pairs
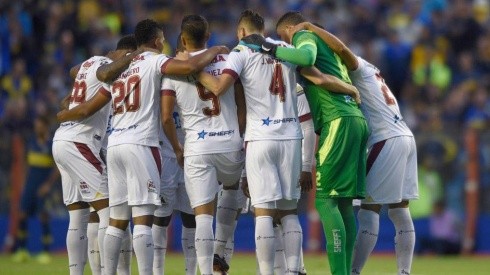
{"points": [[127, 42], [196, 29], [290, 18], [253, 20], [179, 47], [146, 30]]}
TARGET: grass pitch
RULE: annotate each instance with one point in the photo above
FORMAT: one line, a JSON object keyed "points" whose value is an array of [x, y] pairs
{"points": [[245, 264]]}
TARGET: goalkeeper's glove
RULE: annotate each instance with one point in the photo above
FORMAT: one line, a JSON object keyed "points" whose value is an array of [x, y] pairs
{"points": [[258, 43]]}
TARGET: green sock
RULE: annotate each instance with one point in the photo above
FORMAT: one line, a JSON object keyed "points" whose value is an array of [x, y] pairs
{"points": [[333, 227], [347, 212]]}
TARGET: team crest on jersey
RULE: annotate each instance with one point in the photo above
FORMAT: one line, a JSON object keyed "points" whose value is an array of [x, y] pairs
{"points": [[151, 187], [239, 48], [84, 188], [88, 64]]}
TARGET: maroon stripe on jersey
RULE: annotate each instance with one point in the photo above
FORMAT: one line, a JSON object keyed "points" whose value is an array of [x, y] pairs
{"points": [[305, 117], [105, 92], [89, 156], [164, 65], [156, 155], [373, 155], [167, 93], [231, 72]]}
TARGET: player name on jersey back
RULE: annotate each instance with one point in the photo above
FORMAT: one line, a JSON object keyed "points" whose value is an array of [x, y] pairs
{"points": [[270, 94], [379, 105], [136, 101], [210, 123], [91, 130]]}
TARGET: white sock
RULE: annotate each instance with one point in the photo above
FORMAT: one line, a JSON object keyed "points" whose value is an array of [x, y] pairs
{"points": [[404, 238], [293, 239], [112, 246], [94, 255], [143, 248], [204, 243], [76, 240], [367, 236], [225, 216], [302, 262], [103, 224], [279, 258], [160, 248], [230, 245], [264, 244], [126, 253], [189, 249]]}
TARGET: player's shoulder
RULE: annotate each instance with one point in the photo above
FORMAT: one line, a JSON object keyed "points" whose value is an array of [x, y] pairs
{"points": [[241, 49]]}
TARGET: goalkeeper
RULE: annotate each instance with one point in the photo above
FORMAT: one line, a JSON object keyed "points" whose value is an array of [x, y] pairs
{"points": [[341, 155]]}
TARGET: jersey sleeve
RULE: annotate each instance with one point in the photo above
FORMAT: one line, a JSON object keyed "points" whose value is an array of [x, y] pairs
{"points": [[305, 52], [162, 62], [358, 72], [304, 112], [236, 61], [105, 90], [168, 87]]}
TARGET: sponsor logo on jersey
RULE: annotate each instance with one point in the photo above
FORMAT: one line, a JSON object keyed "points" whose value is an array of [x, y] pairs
{"points": [[97, 137], [151, 187], [337, 242], [84, 188], [268, 121], [333, 193], [203, 134]]}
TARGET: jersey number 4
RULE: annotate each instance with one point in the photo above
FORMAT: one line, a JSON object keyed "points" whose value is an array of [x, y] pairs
{"points": [[387, 94], [277, 86], [205, 95], [127, 95]]}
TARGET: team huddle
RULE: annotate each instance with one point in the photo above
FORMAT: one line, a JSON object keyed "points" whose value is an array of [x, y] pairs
{"points": [[211, 132]]}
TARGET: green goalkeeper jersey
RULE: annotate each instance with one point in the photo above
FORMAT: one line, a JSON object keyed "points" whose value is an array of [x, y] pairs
{"points": [[325, 105]]}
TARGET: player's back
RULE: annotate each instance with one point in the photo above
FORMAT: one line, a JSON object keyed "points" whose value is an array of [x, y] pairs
{"points": [[379, 105], [210, 123], [136, 101], [270, 94], [325, 105], [91, 130]]}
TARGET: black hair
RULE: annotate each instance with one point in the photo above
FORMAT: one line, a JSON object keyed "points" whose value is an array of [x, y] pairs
{"points": [[179, 47], [196, 29], [253, 19], [291, 18], [127, 42], [146, 30]]}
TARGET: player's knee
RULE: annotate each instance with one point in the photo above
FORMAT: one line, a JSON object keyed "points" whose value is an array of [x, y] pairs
{"points": [[162, 221], [143, 214], [371, 207], [94, 217], [188, 220], [402, 204], [231, 187]]}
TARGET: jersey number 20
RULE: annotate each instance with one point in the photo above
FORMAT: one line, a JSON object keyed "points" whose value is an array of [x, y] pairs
{"points": [[129, 93]]}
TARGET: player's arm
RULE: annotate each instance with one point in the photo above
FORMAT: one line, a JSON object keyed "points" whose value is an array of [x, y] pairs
{"points": [[240, 107], [65, 102], [109, 72], [308, 150], [74, 70], [168, 123], [193, 64], [347, 56], [216, 85], [87, 108], [330, 83]]}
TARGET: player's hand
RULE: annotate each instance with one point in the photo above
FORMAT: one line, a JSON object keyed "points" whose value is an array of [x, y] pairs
{"points": [[300, 27], [245, 190], [224, 50], [356, 95], [179, 154], [305, 181], [258, 43], [43, 190]]}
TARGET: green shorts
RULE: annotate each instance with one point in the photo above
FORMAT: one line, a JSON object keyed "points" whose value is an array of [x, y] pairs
{"points": [[341, 159]]}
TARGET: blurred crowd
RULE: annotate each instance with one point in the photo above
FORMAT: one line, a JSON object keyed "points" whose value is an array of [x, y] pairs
{"points": [[434, 55]]}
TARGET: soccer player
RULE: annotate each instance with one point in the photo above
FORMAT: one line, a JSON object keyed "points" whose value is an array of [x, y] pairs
{"points": [[392, 160], [343, 131], [42, 174], [212, 145], [76, 150], [134, 160]]}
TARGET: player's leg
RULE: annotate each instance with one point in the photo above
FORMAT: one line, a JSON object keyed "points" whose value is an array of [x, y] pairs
{"points": [[159, 232], [94, 256], [280, 265], [367, 236], [230, 244], [229, 169], [76, 238], [126, 253], [102, 208], [188, 242]]}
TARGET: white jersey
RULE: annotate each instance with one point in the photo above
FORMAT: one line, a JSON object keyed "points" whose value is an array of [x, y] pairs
{"points": [[210, 123], [136, 101], [270, 94], [379, 106], [91, 130], [167, 150]]}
